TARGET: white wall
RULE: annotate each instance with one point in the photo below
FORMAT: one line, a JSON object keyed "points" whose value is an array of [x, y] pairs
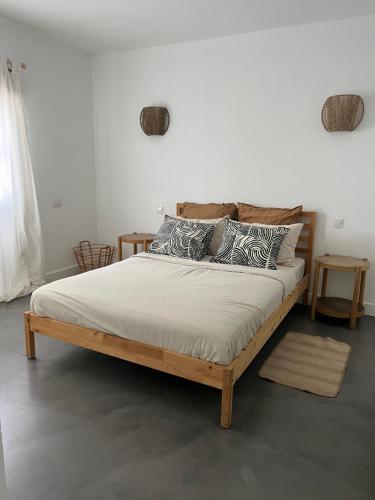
{"points": [[58, 103], [245, 126]]}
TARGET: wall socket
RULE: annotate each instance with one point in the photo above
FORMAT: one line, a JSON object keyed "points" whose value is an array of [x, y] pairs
{"points": [[57, 203], [338, 222]]}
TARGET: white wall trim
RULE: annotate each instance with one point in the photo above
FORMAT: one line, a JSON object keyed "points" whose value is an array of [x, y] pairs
{"points": [[58, 274], [369, 308]]}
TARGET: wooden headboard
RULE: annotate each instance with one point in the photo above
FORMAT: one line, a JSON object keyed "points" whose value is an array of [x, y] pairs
{"points": [[305, 243]]}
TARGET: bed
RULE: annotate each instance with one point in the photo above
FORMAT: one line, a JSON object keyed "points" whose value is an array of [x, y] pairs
{"points": [[198, 320]]}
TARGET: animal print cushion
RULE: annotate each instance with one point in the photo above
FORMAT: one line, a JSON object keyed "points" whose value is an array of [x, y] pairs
{"points": [[181, 238], [248, 245]]}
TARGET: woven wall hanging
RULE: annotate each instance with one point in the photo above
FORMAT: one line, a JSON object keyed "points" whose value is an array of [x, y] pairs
{"points": [[342, 113], [154, 120]]}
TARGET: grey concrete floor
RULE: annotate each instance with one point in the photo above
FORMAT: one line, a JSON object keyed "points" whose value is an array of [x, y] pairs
{"points": [[80, 425]]}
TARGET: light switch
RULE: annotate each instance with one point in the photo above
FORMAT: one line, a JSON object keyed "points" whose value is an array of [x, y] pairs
{"points": [[338, 222]]}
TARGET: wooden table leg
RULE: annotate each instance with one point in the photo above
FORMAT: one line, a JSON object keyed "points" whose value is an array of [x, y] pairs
{"points": [[135, 248], [315, 290], [362, 290], [324, 282], [145, 245], [356, 296], [119, 248]]}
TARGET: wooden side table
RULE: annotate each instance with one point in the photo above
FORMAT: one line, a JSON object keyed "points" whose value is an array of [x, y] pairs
{"points": [[336, 306], [136, 239]]}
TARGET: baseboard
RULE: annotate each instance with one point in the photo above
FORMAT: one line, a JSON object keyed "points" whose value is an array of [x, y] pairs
{"points": [[62, 273], [369, 307]]}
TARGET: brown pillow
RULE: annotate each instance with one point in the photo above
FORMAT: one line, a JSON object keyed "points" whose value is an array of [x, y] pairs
{"points": [[208, 210], [262, 215]]}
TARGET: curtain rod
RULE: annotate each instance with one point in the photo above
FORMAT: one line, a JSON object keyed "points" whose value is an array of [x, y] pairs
{"points": [[10, 65]]}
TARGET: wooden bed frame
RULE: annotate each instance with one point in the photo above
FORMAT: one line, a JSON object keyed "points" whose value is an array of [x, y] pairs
{"points": [[197, 370]]}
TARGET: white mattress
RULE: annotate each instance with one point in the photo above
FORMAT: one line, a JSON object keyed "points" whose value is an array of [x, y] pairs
{"points": [[201, 309]]}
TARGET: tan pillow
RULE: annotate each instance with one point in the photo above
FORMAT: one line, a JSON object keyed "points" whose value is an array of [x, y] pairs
{"points": [[287, 253], [208, 210], [262, 215], [217, 235]]}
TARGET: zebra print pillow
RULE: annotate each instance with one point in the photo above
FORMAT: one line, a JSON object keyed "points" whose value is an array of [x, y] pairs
{"points": [[248, 245], [181, 238]]}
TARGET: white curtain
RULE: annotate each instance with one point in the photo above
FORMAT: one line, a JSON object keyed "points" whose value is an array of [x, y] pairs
{"points": [[21, 248]]}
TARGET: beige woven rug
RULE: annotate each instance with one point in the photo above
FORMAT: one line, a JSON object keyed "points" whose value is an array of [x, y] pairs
{"points": [[308, 363]]}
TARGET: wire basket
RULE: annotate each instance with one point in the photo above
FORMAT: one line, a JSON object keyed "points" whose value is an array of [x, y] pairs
{"points": [[93, 255]]}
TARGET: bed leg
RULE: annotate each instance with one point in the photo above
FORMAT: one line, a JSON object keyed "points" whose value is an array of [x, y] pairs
{"points": [[29, 338], [227, 399]]}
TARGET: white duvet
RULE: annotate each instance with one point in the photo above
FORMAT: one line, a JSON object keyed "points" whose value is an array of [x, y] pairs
{"points": [[205, 310]]}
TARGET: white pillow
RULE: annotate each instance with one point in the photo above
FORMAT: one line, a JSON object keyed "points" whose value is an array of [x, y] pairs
{"points": [[287, 252], [218, 231]]}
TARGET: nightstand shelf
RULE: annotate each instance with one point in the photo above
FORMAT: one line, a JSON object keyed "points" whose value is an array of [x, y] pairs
{"points": [[338, 307]]}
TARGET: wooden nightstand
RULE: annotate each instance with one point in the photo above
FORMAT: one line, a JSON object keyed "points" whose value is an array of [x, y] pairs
{"points": [[336, 306], [136, 239]]}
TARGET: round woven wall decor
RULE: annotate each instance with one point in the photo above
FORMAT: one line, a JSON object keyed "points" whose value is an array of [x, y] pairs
{"points": [[342, 113], [154, 120]]}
